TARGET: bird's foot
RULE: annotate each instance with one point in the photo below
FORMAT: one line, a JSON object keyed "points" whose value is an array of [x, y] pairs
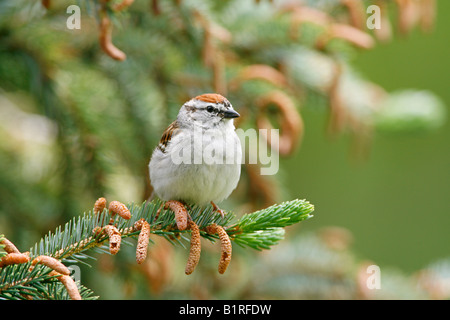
{"points": [[217, 209]]}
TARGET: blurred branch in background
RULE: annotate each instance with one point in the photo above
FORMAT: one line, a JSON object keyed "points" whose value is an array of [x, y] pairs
{"points": [[82, 109]]}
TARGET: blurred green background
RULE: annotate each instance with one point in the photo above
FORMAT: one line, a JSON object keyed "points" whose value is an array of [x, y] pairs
{"points": [[396, 202]]}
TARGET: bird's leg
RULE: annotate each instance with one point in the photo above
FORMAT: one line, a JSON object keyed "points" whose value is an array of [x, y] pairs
{"points": [[217, 209]]}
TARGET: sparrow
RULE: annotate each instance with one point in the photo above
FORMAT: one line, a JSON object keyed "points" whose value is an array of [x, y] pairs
{"points": [[198, 159]]}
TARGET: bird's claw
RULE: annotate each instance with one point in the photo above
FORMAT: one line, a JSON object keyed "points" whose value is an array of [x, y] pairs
{"points": [[217, 209]]}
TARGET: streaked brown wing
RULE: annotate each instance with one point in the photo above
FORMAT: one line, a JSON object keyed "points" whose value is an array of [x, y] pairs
{"points": [[167, 135]]}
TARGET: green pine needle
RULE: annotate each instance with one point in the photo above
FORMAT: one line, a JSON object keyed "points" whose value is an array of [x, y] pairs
{"points": [[73, 242], [276, 216], [264, 228]]}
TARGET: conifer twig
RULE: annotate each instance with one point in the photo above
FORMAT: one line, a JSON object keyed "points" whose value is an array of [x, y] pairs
{"points": [[258, 230]]}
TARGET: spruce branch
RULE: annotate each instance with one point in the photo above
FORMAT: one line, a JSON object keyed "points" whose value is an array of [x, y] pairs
{"points": [[264, 228], [19, 281], [72, 243], [259, 230]]}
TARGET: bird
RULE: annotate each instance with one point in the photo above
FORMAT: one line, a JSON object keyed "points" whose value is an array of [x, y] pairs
{"points": [[198, 159]]}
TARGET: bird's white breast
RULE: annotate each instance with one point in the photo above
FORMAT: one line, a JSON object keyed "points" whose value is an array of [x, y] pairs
{"points": [[199, 166]]}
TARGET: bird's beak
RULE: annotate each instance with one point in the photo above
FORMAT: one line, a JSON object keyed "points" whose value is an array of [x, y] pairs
{"points": [[230, 114]]}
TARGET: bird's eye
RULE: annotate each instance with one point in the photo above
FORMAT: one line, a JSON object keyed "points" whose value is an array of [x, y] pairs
{"points": [[210, 108]]}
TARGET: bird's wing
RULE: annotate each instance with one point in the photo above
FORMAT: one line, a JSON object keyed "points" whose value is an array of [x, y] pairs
{"points": [[171, 130]]}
